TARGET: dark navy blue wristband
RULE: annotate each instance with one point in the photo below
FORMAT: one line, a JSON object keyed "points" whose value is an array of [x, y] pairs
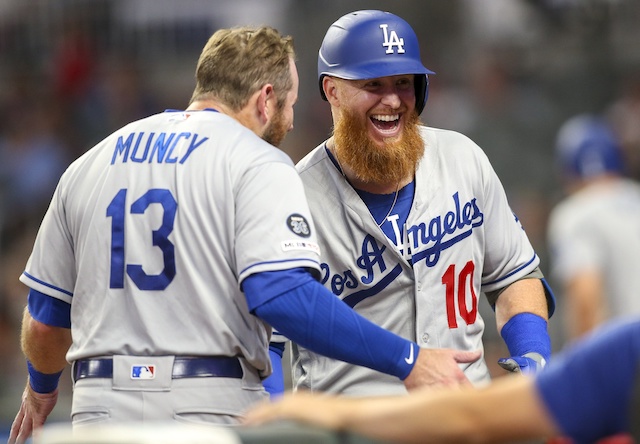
{"points": [[42, 382]]}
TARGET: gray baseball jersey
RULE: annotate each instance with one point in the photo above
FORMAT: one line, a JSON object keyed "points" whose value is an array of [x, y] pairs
{"points": [[460, 238], [598, 229], [150, 232]]}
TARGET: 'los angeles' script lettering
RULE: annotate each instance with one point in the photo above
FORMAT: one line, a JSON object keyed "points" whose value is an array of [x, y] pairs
{"points": [[426, 241]]}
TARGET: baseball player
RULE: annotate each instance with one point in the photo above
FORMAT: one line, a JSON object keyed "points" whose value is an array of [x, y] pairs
{"points": [[170, 248], [592, 232], [589, 394], [412, 221]]}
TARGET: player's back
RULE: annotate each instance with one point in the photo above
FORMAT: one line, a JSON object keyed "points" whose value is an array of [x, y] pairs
{"points": [[151, 217]]}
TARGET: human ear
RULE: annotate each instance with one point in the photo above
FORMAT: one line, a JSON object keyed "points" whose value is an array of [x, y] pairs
{"points": [[330, 88], [266, 103]]}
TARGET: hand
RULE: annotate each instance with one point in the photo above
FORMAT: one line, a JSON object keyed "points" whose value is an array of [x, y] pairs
{"points": [[33, 413], [528, 364], [439, 368]]}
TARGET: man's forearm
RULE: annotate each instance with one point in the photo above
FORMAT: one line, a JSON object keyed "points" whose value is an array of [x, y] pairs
{"points": [[43, 345]]}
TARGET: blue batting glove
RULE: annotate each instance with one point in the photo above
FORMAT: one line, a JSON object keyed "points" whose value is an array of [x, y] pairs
{"points": [[528, 364]]}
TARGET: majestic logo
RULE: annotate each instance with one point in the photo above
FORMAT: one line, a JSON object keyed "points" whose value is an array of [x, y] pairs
{"points": [[391, 39], [299, 225], [143, 372]]}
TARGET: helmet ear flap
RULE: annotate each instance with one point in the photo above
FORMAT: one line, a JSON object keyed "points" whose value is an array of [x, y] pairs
{"points": [[322, 94], [421, 84]]}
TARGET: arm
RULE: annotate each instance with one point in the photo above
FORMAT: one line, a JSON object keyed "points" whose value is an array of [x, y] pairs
{"points": [[586, 307], [45, 348], [522, 312], [523, 296], [443, 416], [584, 395], [307, 313]]}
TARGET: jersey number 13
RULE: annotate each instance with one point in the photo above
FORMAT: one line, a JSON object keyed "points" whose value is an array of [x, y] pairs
{"points": [[117, 210]]}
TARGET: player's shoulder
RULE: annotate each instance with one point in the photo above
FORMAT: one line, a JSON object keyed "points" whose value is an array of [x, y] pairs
{"points": [[315, 157], [444, 134], [450, 141], [453, 149], [317, 172]]}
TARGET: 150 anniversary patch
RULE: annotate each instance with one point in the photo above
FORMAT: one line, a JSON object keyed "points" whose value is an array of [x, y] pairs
{"points": [[299, 225]]}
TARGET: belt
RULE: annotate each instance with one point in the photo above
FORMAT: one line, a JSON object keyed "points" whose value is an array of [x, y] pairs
{"points": [[183, 367]]}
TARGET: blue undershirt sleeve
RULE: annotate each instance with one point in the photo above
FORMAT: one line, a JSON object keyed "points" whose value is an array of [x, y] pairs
{"points": [[49, 310], [274, 384], [587, 388], [310, 315]]}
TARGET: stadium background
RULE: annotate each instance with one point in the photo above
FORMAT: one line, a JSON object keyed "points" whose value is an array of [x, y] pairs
{"points": [[508, 73]]}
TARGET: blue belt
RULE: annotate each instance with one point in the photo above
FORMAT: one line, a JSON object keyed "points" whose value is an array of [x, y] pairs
{"points": [[183, 367]]}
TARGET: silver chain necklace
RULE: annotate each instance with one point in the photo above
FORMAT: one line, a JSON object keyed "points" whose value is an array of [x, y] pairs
{"points": [[395, 194]]}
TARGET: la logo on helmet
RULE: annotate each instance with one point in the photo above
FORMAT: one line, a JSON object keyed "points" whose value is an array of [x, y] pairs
{"points": [[391, 40]]}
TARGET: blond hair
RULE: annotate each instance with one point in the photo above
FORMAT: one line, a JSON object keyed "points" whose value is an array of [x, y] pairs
{"points": [[237, 62]]}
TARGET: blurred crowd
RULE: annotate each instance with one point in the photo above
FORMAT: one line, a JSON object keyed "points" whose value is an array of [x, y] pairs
{"points": [[508, 73]]}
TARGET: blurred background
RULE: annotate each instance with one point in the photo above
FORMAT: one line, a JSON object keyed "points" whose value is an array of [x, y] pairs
{"points": [[508, 73]]}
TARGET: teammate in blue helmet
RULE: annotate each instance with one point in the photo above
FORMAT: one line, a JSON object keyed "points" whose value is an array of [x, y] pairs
{"points": [[413, 224], [591, 231], [586, 147]]}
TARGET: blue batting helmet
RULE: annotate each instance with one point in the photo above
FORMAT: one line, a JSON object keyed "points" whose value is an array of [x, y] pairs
{"points": [[370, 44], [586, 147]]}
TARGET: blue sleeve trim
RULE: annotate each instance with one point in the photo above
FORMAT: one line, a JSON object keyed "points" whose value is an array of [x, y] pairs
{"points": [[314, 265], [313, 317], [551, 298], [47, 285], [517, 270], [49, 310], [525, 333]]}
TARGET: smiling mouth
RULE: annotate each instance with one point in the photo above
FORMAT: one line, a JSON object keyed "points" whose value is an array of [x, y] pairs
{"points": [[386, 122]]}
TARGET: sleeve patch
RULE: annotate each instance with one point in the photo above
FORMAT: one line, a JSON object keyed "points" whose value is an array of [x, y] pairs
{"points": [[292, 245]]}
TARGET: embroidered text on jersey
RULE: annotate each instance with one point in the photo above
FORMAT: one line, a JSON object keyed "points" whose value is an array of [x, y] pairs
{"points": [[141, 147], [426, 241], [442, 232]]}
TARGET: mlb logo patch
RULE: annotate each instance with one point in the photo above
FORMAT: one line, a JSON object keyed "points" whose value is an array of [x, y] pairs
{"points": [[143, 371]]}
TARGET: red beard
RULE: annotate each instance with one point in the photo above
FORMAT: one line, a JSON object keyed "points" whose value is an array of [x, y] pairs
{"points": [[388, 164]]}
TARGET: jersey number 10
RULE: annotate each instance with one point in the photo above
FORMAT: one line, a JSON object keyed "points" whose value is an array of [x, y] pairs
{"points": [[464, 279], [160, 238]]}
